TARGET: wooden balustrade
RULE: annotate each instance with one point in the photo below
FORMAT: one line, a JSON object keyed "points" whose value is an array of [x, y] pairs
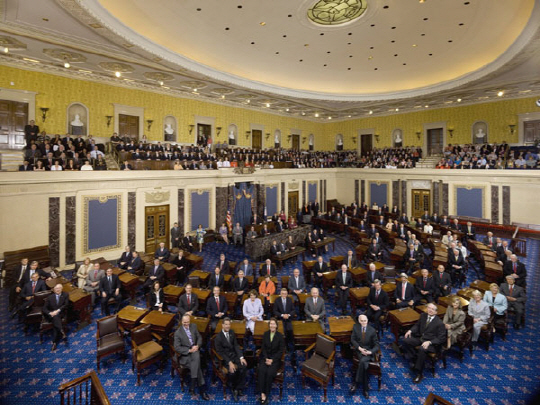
{"points": [[85, 390]]}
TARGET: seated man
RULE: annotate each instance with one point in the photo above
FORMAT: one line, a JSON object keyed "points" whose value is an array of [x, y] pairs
{"points": [[125, 258], [275, 249], [365, 344], [187, 343], [188, 303], [156, 273], [489, 240], [246, 267], [315, 309], [297, 284], [223, 264], [35, 285], [373, 275], [252, 233], [187, 242], [93, 279], [442, 282], [54, 309], [227, 347], [240, 284], [517, 270], [109, 287], [318, 269], [265, 231], [343, 282], [216, 308], [217, 279], [268, 268], [516, 297], [410, 258], [424, 337], [377, 303], [238, 234], [350, 260], [425, 288], [134, 263], [456, 266], [404, 292], [162, 253], [375, 251]]}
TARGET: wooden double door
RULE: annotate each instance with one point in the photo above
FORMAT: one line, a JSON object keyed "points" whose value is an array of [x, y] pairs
{"points": [[156, 227], [421, 201], [128, 125], [13, 118], [293, 203]]}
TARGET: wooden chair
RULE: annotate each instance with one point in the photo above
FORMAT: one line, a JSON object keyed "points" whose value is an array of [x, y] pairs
{"points": [[145, 350], [320, 366], [464, 340], [109, 338], [486, 332], [35, 311], [218, 368], [435, 357], [181, 370], [373, 369]]}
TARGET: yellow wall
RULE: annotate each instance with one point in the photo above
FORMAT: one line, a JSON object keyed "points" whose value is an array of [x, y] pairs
{"points": [[57, 92]]}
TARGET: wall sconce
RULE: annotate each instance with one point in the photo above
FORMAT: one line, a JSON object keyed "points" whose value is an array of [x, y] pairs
{"points": [[149, 122], [289, 137], [44, 113], [511, 126], [267, 135], [109, 118], [190, 127], [218, 129], [304, 139], [451, 132], [248, 133], [418, 134], [354, 139], [376, 138]]}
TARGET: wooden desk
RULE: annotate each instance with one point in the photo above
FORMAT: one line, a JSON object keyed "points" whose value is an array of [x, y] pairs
{"points": [[402, 319], [161, 322], [195, 261], [57, 280], [202, 325], [239, 328], [130, 283], [390, 289], [82, 304], [447, 301], [341, 330], [359, 274], [324, 242], [289, 255], [493, 271], [202, 295], [358, 297], [130, 316], [203, 276], [305, 333], [302, 297], [480, 285], [328, 281], [467, 293], [260, 328], [172, 294], [441, 310]]}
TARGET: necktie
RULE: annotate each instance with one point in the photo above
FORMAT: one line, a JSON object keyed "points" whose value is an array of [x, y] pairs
{"points": [[34, 287], [272, 336], [284, 302], [377, 294], [188, 333], [403, 291], [217, 303], [344, 277], [57, 299], [189, 300], [109, 278], [349, 261], [296, 278], [217, 280], [515, 269], [315, 302], [428, 321], [363, 334], [95, 274], [268, 269], [412, 253], [424, 282], [227, 336], [511, 289]]}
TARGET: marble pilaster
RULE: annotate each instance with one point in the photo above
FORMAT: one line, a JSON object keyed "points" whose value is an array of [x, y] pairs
{"points": [[395, 194], [403, 185], [303, 193], [283, 196], [132, 219], [70, 230], [356, 190], [54, 231], [181, 205], [362, 191], [444, 199], [506, 205], [495, 204], [221, 205], [436, 197]]}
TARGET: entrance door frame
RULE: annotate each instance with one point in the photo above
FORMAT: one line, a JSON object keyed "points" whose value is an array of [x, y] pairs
{"points": [[522, 118], [22, 96], [360, 132], [128, 110], [289, 193], [412, 200], [206, 121], [167, 226], [434, 125]]}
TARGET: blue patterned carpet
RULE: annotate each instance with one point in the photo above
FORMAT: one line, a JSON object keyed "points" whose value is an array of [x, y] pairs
{"points": [[508, 374]]}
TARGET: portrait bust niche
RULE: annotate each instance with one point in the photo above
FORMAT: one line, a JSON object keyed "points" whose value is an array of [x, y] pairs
{"points": [[480, 132], [169, 130], [398, 138], [77, 121], [77, 125]]}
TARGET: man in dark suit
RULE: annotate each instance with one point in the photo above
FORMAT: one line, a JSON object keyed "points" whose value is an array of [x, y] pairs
{"points": [[162, 253], [426, 217], [176, 236], [427, 334], [372, 231], [456, 265], [373, 275], [284, 311], [275, 249], [404, 292], [470, 231], [377, 303], [425, 286], [365, 344], [435, 219], [410, 258], [318, 269], [26, 167], [135, 262], [187, 343], [109, 287], [54, 308], [516, 297], [350, 260], [217, 279], [31, 132], [227, 347], [297, 284], [216, 308], [268, 268], [18, 277], [35, 285], [156, 273], [255, 220], [403, 219], [375, 251], [125, 258], [343, 282], [187, 242], [240, 284], [489, 240], [455, 225], [442, 282], [188, 303], [223, 264], [503, 252], [517, 270], [445, 221]]}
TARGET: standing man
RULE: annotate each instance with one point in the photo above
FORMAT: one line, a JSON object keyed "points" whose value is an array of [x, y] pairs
{"points": [[176, 236], [365, 345], [314, 308], [318, 269], [343, 282], [31, 132], [109, 287], [92, 281], [54, 308]]}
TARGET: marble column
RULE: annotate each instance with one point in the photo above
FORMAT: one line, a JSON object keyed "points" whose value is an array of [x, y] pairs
{"points": [[324, 194], [445, 199], [221, 205], [230, 200], [54, 231], [70, 230], [436, 197], [261, 200], [283, 196], [506, 205], [181, 205], [363, 191], [303, 193], [403, 184], [356, 190], [132, 219], [395, 194], [495, 204]]}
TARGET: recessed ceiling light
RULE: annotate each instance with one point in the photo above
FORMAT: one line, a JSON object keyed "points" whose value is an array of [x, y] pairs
{"points": [[31, 60], [303, 113], [370, 112], [161, 82], [397, 109], [268, 104], [284, 36], [117, 74], [286, 109], [194, 90], [249, 101], [414, 45], [393, 28], [349, 116], [459, 100], [322, 33], [199, 9], [386, 7], [325, 65], [67, 65], [277, 53], [290, 15], [253, 43], [500, 93], [6, 50], [450, 40], [376, 69], [328, 52], [316, 115], [425, 19], [301, 60], [223, 96], [329, 118], [426, 106], [370, 57]]}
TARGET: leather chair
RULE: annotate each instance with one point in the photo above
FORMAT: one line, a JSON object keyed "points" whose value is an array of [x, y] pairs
{"points": [[194, 281], [35, 311], [374, 367], [433, 358], [320, 366], [181, 370], [500, 323], [109, 338], [389, 274], [464, 340], [486, 332], [145, 350]]}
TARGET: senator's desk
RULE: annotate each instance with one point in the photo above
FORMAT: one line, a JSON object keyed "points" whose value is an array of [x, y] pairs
{"points": [[441, 310], [259, 247], [261, 327], [358, 297], [359, 274], [305, 333], [130, 316], [326, 241], [480, 285], [328, 224], [203, 277], [161, 322], [172, 294], [289, 255], [447, 301], [341, 330], [194, 261], [202, 325], [202, 295], [467, 293], [81, 304], [302, 297], [493, 271], [129, 282], [401, 319], [239, 328], [328, 279]]}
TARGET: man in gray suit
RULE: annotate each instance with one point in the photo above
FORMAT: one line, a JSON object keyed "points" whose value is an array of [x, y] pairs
{"points": [[516, 297], [314, 308], [297, 284], [187, 343], [92, 281], [246, 267]]}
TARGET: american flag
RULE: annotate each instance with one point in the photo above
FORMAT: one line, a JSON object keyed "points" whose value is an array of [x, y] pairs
{"points": [[229, 220]]}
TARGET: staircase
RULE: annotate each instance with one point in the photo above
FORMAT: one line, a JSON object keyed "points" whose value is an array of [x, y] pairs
{"points": [[111, 163], [429, 162], [10, 160]]}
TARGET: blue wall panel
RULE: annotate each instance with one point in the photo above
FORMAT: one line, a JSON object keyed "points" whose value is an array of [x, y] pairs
{"points": [[102, 223], [470, 202], [312, 192], [271, 200], [379, 193], [200, 209]]}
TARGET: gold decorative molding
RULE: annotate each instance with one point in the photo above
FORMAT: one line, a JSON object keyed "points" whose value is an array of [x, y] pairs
{"points": [[271, 185], [154, 197], [293, 186]]}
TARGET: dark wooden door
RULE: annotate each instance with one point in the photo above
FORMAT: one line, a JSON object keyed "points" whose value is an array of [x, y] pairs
{"points": [[157, 227], [531, 131], [420, 202], [435, 141], [296, 142], [128, 125], [293, 203], [13, 118], [256, 139], [366, 143], [204, 133]]}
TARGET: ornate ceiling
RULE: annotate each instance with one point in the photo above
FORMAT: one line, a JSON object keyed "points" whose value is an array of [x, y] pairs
{"points": [[315, 59]]}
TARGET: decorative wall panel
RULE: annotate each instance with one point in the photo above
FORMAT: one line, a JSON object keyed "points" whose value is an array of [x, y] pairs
{"points": [[181, 209], [132, 219], [271, 199], [54, 231], [506, 204], [312, 191], [199, 207], [378, 193], [102, 223], [469, 201], [70, 230], [495, 204]]}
